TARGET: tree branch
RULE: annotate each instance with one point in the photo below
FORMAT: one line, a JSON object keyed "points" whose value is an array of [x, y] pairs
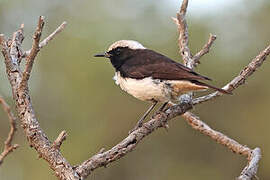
{"points": [[253, 156], [33, 53], [51, 151], [240, 79], [195, 122], [189, 60], [253, 163], [183, 34], [60, 139], [16, 41], [8, 148], [19, 83], [6, 54], [204, 50], [49, 38]]}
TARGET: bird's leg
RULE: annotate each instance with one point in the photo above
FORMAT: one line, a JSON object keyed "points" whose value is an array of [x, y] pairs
{"points": [[163, 107], [140, 122], [161, 110]]}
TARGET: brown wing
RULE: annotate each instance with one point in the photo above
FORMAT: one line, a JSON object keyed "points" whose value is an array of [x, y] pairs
{"points": [[149, 63]]}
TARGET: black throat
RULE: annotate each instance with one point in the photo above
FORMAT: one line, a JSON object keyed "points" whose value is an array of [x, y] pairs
{"points": [[120, 56], [116, 63], [132, 63]]}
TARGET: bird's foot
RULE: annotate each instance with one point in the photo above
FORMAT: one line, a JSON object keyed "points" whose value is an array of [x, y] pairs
{"points": [[163, 116], [165, 125], [140, 122]]}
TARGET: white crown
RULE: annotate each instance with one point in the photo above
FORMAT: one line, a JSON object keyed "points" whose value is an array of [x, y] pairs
{"points": [[126, 43]]}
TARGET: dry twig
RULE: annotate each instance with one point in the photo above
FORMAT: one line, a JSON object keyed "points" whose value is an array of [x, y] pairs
{"points": [[8, 148], [204, 50], [49, 38], [183, 34], [60, 139], [250, 171], [19, 83], [240, 79], [51, 153], [199, 125], [253, 156], [33, 53]]}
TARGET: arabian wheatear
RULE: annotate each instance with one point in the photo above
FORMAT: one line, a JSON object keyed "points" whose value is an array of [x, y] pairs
{"points": [[150, 76]]}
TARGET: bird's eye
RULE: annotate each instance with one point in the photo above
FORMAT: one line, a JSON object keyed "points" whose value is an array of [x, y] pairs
{"points": [[117, 51]]}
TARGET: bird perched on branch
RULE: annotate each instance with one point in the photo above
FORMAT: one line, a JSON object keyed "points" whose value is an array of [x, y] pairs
{"points": [[150, 76]]}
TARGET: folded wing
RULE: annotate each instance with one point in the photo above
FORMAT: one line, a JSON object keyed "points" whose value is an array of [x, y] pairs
{"points": [[149, 63]]}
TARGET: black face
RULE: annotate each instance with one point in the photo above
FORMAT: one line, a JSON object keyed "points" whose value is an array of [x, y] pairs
{"points": [[119, 55]]}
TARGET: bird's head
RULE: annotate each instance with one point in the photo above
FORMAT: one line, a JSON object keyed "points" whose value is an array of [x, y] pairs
{"points": [[120, 51]]}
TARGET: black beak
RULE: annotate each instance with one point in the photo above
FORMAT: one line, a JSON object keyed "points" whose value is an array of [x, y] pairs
{"points": [[107, 55]]}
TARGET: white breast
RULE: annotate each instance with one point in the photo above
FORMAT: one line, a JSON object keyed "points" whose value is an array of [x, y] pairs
{"points": [[145, 89], [149, 89]]}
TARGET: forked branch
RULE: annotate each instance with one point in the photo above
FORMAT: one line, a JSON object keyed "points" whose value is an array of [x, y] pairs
{"points": [[51, 151], [252, 155], [49, 38], [183, 34], [9, 147], [240, 79], [33, 53], [206, 48], [19, 83]]}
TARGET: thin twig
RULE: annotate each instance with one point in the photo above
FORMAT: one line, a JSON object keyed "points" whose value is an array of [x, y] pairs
{"points": [[2, 39], [253, 156], [12, 121], [34, 133], [60, 139], [184, 50], [33, 53], [15, 46], [204, 50], [220, 138], [6, 54], [49, 38], [38, 139], [250, 170], [240, 79], [195, 122], [183, 34]]}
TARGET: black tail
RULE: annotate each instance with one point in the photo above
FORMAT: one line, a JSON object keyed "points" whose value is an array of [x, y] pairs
{"points": [[212, 87]]}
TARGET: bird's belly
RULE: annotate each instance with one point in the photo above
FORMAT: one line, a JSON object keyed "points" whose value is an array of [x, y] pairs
{"points": [[149, 89], [145, 89]]}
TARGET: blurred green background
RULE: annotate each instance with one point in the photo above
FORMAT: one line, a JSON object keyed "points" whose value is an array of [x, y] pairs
{"points": [[75, 92]]}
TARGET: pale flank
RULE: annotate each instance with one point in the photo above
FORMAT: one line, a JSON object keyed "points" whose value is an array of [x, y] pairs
{"points": [[149, 89]]}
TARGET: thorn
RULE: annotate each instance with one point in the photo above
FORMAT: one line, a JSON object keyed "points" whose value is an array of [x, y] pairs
{"points": [[102, 150], [39, 156], [166, 126]]}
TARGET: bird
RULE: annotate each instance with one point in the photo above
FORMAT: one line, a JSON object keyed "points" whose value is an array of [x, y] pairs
{"points": [[150, 76]]}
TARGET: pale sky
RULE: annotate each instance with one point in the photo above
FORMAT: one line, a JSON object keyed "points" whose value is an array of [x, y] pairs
{"points": [[206, 7]]}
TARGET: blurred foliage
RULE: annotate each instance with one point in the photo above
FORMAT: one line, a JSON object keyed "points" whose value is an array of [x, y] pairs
{"points": [[73, 91]]}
